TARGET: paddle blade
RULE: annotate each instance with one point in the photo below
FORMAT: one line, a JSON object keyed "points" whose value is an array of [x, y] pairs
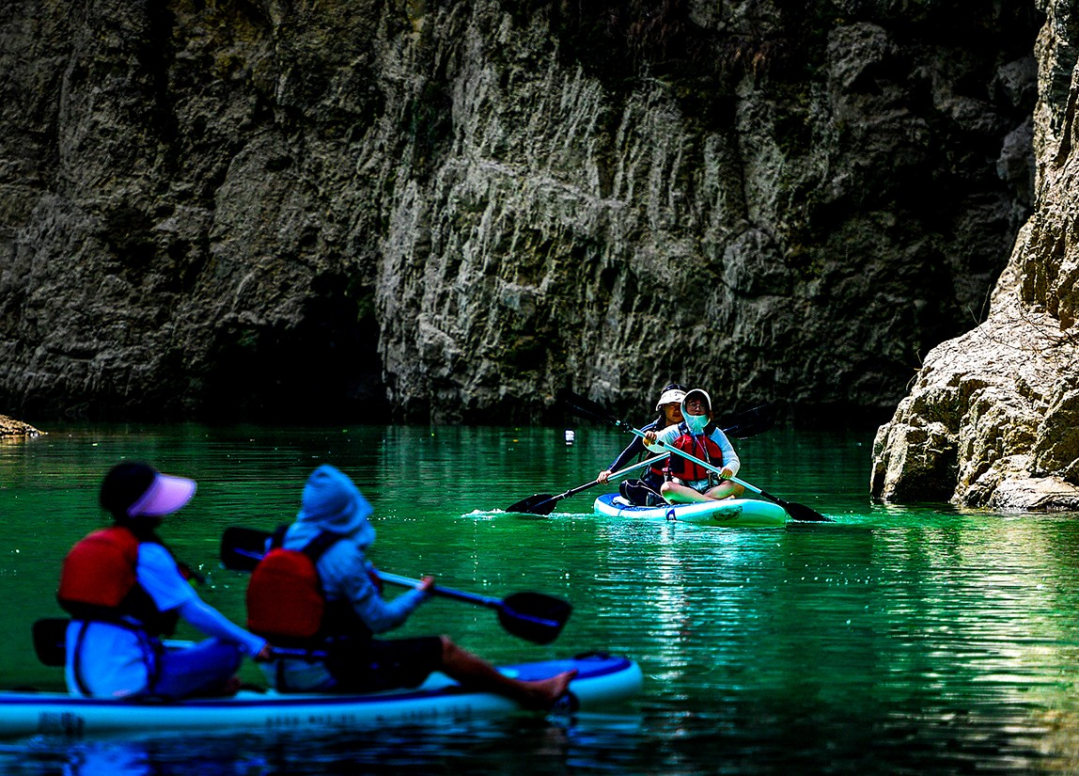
{"points": [[534, 617], [586, 408], [749, 422], [804, 514], [50, 640], [540, 504], [242, 548]]}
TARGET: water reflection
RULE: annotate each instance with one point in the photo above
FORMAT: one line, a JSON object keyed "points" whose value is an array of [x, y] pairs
{"points": [[892, 641], [539, 745]]}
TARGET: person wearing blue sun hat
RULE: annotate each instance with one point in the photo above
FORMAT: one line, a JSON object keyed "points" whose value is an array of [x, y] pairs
{"points": [[125, 590], [334, 516]]}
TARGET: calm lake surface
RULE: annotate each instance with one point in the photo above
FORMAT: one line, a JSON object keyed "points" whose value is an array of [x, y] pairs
{"points": [[895, 640]]}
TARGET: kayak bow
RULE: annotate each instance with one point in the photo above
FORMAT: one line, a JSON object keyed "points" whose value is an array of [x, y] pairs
{"points": [[601, 680], [728, 513]]}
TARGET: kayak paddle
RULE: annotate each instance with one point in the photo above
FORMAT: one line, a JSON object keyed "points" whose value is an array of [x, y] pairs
{"points": [[590, 409], [50, 643], [543, 503], [535, 617], [751, 422], [740, 425]]}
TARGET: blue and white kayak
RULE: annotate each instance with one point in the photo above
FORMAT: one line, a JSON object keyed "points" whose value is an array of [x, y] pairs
{"points": [[729, 513], [602, 680]]}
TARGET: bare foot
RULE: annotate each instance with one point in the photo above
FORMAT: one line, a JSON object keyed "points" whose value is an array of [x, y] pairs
{"points": [[543, 694]]}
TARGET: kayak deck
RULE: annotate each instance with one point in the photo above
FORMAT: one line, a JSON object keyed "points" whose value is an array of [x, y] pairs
{"points": [[730, 513], [602, 679]]}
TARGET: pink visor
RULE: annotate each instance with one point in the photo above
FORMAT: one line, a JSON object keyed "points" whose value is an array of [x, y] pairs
{"points": [[165, 495]]}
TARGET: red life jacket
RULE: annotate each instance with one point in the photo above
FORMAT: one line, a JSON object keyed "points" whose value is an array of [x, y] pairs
{"points": [[99, 581], [699, 446], [286, 603]]}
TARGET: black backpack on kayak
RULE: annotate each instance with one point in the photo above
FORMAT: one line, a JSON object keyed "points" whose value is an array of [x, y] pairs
{"points": [[639, 494]]}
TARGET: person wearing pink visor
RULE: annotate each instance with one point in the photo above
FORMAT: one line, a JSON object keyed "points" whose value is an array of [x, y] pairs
{"points": [[125, 590]]}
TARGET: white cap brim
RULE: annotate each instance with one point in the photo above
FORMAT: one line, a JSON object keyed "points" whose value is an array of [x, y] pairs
{"points": [[707, 398], [673, 396]]}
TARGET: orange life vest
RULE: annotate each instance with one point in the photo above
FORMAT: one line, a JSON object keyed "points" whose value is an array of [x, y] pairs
{"points": [[99, 581], [699, 446], [286, 603]]}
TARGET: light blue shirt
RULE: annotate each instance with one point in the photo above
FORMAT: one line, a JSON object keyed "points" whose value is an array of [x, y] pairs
{"points": [[114, 661]]}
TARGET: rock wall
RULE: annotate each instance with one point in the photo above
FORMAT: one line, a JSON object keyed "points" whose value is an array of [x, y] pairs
{"points": [[445, 211], [993, 418], [12, 430]]}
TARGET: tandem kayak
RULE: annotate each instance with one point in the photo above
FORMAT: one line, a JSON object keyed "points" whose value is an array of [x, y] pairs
{"points": [[729, 513], [602, 679]]}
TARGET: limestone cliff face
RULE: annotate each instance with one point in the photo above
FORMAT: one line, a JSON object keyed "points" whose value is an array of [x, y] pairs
{"points": [[993, 419], [415, 210]]}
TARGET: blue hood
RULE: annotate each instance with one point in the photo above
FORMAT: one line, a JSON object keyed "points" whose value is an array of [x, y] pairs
{"points": [[332, 502]]}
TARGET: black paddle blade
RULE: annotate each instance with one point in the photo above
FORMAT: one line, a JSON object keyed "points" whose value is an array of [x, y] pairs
{"points": [[586, 408], [534, 617], [751, 422], [804, 514], [242, 548], [540, 504], [50, 641]]}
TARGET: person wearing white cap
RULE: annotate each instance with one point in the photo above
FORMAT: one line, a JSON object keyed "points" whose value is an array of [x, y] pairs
{"points": [[645, 491], [124, 590], [698, 436]]}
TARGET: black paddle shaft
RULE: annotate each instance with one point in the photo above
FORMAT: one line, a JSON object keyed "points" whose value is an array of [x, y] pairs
{"points": [[543, 503], [535, 617]]}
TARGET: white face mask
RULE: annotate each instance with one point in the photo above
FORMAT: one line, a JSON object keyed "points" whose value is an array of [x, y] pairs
{"points": [[696, 423]]}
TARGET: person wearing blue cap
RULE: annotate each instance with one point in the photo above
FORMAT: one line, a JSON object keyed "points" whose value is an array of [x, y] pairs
{"points": [[333, 508], [124, 590]]}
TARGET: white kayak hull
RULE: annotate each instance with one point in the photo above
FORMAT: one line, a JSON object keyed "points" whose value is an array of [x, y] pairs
{"points": [[602, 680], [729, 513]]}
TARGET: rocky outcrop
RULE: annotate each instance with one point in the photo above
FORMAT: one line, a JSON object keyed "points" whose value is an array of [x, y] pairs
{"points": [[993, 418], [416, 210], [15, 430]]}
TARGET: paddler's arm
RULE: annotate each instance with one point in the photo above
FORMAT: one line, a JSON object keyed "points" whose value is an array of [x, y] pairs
{"points": [[211, 622], [632, 449], [160, 577], [354, 584], [731, 462], [652, 438]]}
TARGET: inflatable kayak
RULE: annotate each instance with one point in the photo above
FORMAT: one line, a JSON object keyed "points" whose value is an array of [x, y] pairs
{"points": [[602, 679], [730, 513]]}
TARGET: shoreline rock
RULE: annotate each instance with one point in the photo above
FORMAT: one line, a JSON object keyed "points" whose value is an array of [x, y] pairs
{"points": [[11, 429], [993, 418]]}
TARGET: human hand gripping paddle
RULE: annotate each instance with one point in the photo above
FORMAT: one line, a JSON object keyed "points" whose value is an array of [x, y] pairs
{"points": [[589, 409], [535, 617], [741, 425]]}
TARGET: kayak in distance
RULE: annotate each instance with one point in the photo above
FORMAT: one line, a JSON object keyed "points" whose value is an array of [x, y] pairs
{"points": [[602, 680], [728, 513]]}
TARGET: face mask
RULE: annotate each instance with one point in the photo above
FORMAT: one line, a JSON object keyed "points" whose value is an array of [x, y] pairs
{"points": [[696, 423]]}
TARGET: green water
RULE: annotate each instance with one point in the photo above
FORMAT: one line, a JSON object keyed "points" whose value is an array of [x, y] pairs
{"points": [[891, 641]]}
